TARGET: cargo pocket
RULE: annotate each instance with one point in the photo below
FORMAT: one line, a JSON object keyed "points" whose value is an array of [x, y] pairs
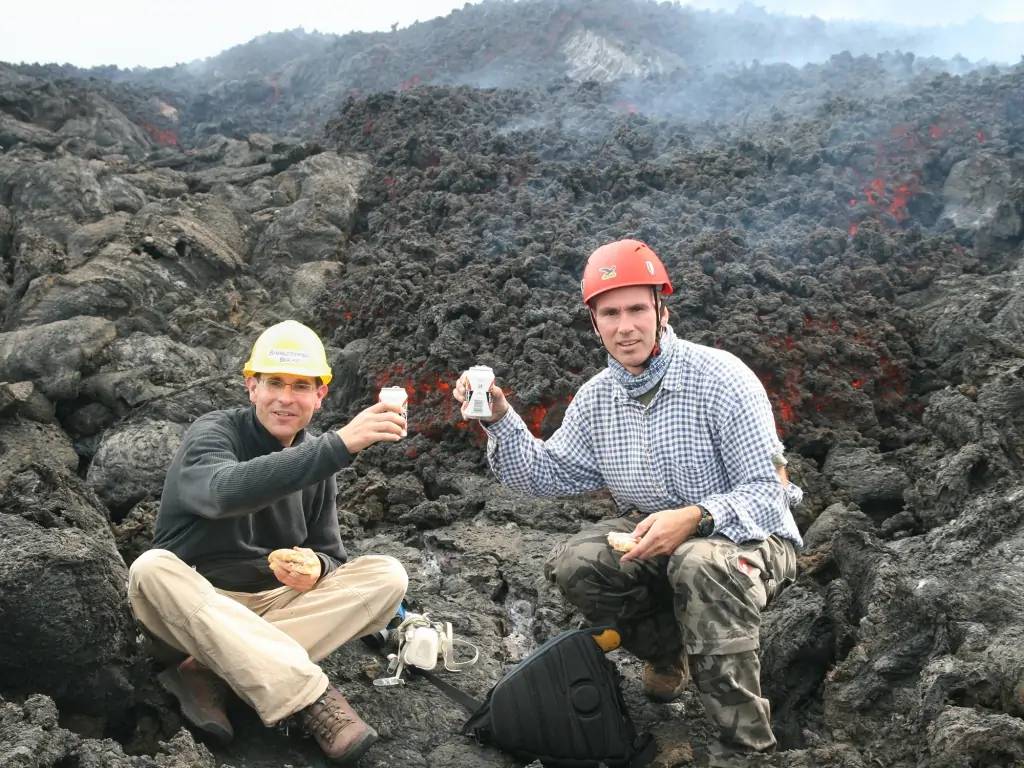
{"points": [[747, 569]]}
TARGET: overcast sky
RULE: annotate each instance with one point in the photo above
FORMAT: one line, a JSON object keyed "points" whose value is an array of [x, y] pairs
{"points": [[153, 34]]}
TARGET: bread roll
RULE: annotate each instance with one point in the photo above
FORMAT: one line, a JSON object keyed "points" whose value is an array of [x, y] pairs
{"points": [[297, 562], [621, 541]]}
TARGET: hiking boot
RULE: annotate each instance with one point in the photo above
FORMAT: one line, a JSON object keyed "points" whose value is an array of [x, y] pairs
{"points": [[665, 683], [202, 697], [340, 732]]}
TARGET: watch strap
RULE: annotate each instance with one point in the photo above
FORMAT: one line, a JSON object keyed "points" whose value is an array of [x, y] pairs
{"points": [[706, 524]]}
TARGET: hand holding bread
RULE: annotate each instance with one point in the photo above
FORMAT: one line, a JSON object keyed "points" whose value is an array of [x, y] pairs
{"points": [[299, 561]]}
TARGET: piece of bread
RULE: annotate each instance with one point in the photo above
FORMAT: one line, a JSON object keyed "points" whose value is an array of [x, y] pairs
{"points": [[298, 562], [621, 541]]}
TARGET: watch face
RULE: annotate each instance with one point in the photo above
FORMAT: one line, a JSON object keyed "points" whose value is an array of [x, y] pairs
{"points": [[706, 526]]}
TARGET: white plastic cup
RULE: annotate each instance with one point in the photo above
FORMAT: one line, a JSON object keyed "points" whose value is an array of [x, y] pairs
{"points": [[397, 396], [481, 377]]}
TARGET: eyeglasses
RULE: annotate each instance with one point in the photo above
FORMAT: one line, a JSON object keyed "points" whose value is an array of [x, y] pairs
{"points": [[297, 387]]}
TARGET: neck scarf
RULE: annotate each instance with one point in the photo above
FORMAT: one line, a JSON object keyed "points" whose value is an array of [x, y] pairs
{"points": [[654, 370]]}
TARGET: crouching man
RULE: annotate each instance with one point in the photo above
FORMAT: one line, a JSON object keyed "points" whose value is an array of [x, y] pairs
{"points": [[683, 437], [245, 483]]}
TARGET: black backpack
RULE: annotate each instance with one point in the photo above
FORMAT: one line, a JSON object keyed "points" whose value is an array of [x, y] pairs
{"points": [[563, 705]]}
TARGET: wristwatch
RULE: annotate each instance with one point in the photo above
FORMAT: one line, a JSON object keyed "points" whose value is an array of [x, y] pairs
{"points": [[706, 524]]}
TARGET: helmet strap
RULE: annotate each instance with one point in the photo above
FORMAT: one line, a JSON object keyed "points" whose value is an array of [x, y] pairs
{"points": [[656, 349]]}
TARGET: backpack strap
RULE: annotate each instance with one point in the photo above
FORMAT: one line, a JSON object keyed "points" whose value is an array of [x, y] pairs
{"points": [[457, 695]]}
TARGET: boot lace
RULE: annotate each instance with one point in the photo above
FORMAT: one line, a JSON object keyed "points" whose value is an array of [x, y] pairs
{"points": [[325, 719]]}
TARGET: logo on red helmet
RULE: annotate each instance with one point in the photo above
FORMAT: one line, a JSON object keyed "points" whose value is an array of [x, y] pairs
{"points": [[650, 267], [608, 273]]}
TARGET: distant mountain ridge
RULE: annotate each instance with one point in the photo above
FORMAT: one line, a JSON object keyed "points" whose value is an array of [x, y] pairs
{"points": [[496, 27], [293, 81]]}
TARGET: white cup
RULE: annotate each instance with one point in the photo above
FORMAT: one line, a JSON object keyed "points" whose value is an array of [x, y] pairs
{"points": [[481, 377], [397, 396]]}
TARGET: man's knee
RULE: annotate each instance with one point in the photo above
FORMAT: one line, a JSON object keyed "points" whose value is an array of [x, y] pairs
{"points": [[382, 576], [394, 578], [584, 559], [148, 566], [572, 566]]}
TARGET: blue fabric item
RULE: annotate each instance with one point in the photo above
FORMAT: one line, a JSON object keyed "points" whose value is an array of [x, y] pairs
{"points": [[707, 437], [656, 367]]}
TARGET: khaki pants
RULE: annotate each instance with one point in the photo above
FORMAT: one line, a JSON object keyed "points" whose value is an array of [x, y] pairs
{"points": [[265, 644]]}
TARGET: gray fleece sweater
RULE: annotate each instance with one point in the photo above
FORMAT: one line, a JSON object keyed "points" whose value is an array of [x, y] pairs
{"points": [[233, 494]]}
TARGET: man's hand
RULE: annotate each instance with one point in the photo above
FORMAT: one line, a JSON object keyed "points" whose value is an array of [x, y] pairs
{"points": [[661, 532], [379, 422], [300, 582], [499, 404]]}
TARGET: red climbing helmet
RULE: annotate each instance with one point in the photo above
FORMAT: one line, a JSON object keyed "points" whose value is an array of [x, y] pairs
{"points": [[622, 263]]}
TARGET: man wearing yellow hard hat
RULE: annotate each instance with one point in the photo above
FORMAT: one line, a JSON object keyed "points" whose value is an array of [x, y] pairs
{"points": [[248, 575]]}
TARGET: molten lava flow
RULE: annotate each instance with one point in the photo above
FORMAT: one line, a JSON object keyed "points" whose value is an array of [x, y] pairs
{"points": [[875, 191], [535, 414], [891, 198], [786, 411], [804, 376], [432, 409], [785, 396], [899, 159], [165, 138], [534, 418]]}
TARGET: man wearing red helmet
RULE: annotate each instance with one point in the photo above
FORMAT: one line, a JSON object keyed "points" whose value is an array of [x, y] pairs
{"points": [[683, 437]]}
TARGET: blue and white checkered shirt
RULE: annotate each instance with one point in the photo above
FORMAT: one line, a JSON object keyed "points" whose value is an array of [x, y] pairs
{"points": [[707, 438]]}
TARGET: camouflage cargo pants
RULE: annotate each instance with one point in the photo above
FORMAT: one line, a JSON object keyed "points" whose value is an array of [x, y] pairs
{"points": [[705, 600]]}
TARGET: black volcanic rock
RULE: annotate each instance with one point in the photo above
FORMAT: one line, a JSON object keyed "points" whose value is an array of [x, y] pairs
{"points": [[66, 627]]}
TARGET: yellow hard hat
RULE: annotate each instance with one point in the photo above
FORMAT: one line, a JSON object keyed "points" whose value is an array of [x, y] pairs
{"points": [[289, 347]]}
